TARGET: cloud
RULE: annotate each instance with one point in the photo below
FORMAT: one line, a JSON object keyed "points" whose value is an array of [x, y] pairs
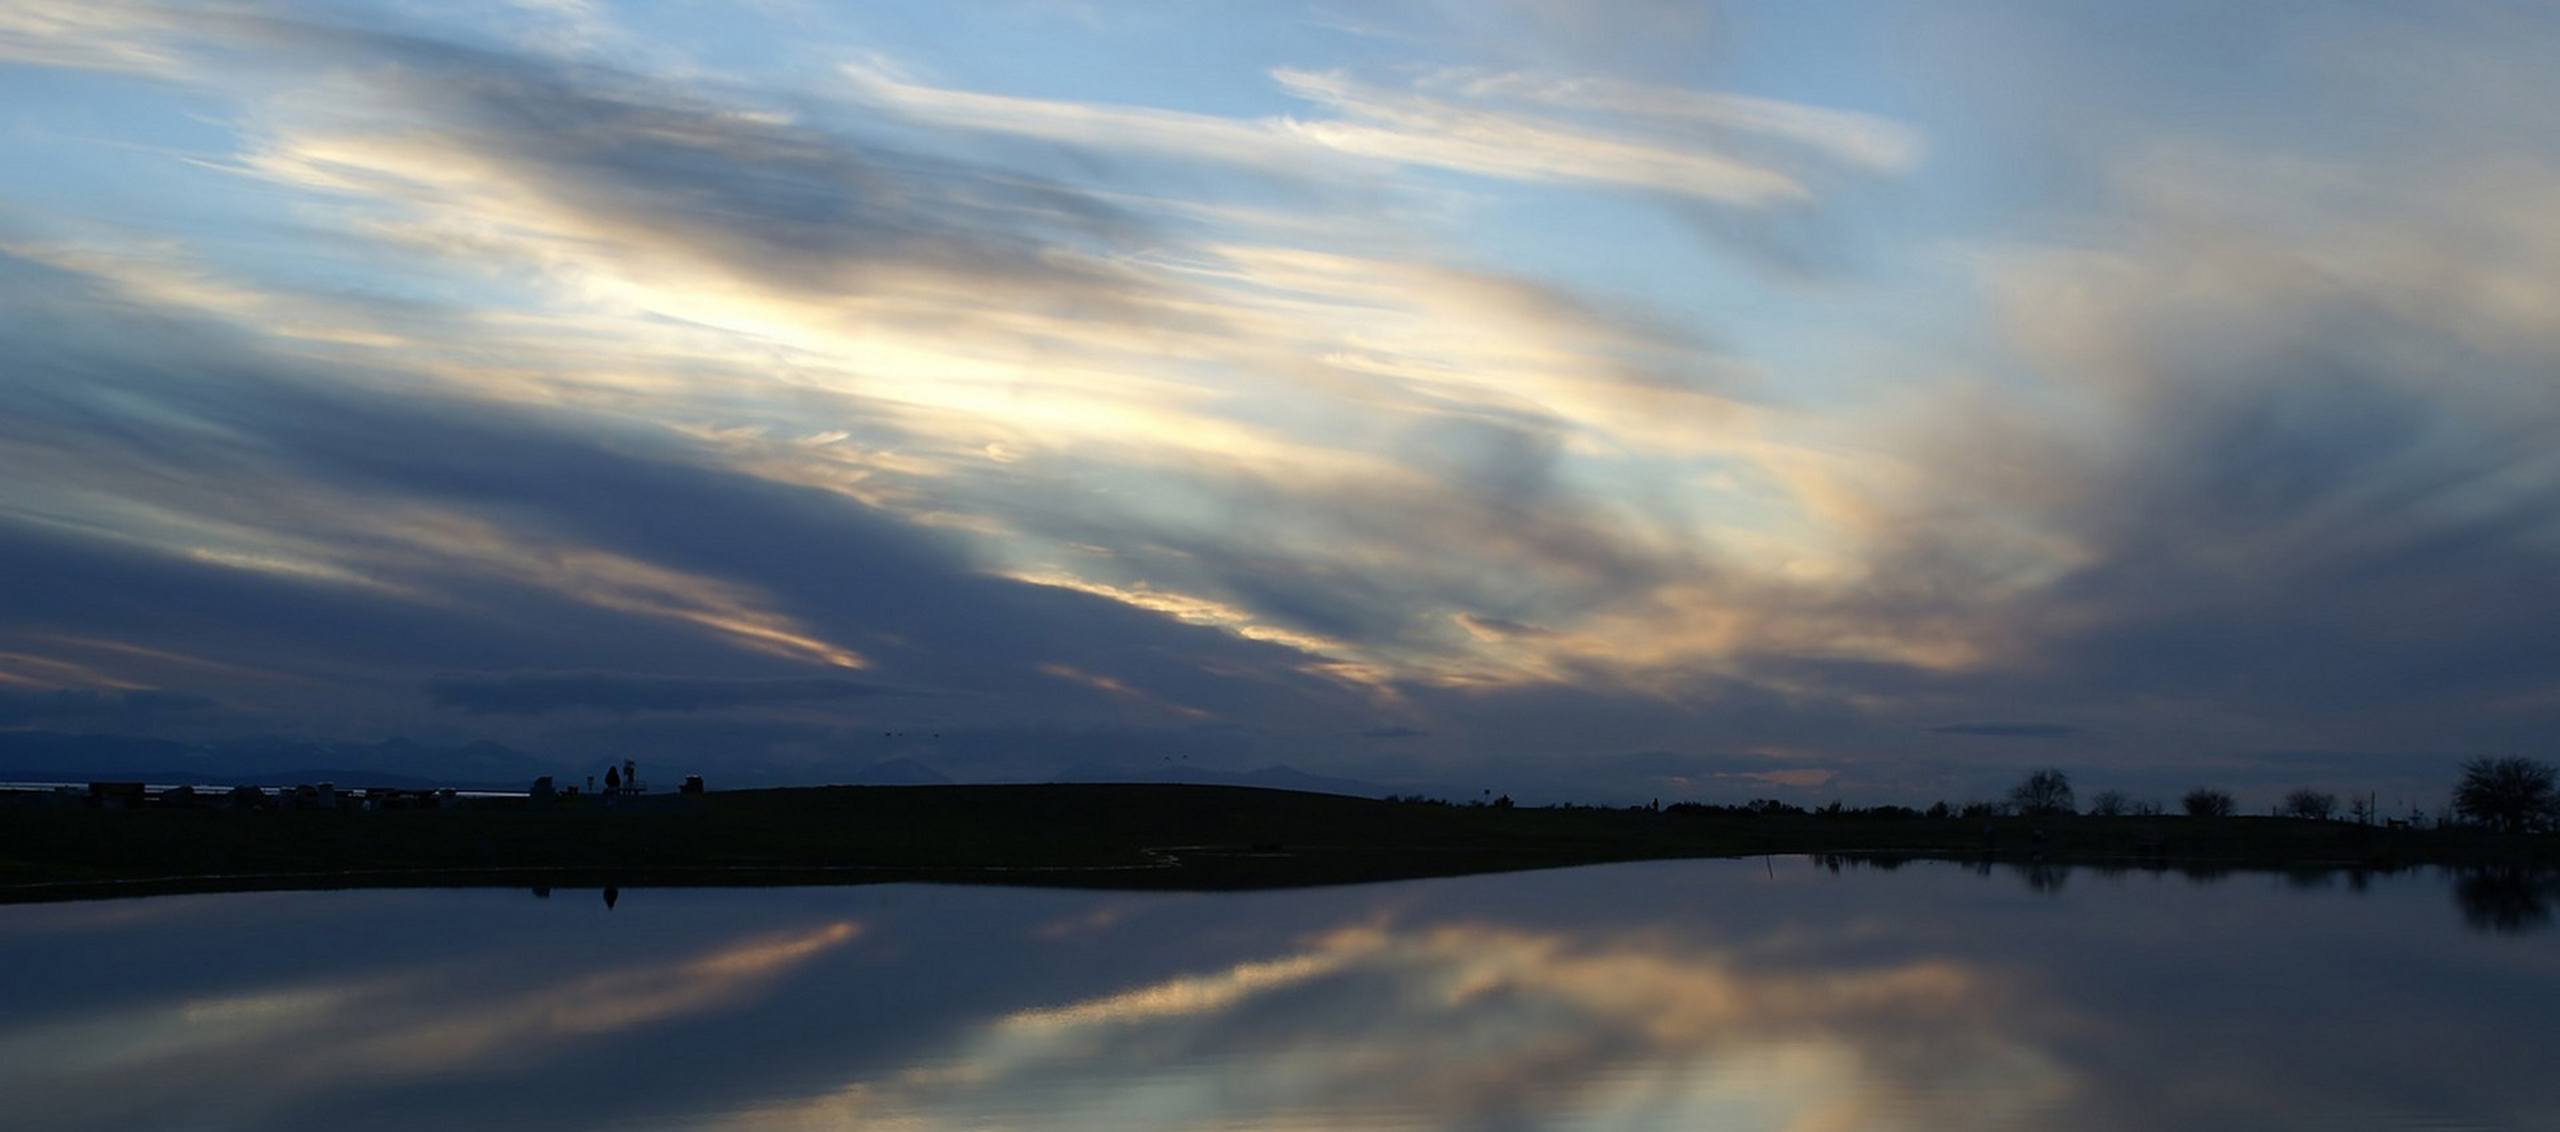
{"points": [[1628, 147], [2010, 730], [662, 180], [1496, 628], [91, 708], [540, 693], [443, 537], [543, 357], [1405, 127], [2303, 478], [1863, 140], [650, 178], [105, 35]]}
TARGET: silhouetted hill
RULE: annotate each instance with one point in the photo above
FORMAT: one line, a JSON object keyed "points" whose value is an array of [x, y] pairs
{"points": [[898, 772], [56, 757], [1117, 835]]}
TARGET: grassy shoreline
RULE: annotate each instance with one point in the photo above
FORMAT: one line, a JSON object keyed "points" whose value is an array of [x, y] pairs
{"points": [[1116, 836]]}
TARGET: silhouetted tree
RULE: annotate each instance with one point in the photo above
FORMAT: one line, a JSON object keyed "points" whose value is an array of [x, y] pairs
{"points": [[2109, 804], [1940, 809], [2310, 803], [2044, 793], [2203, 802], [2511, 794]]}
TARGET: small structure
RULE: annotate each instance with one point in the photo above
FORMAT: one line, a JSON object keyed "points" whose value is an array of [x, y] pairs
{"points": [[692, 784], [248, 798]]}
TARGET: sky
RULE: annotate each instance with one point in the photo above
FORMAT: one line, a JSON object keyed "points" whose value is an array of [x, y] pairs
{"points": [[1599, 400]]}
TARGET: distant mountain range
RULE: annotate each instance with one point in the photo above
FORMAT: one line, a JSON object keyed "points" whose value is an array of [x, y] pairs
{"points": [[49, 756], [1275, 777]]}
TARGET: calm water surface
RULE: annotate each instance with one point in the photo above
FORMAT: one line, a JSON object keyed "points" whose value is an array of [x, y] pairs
{"points": [[1708, 994]]}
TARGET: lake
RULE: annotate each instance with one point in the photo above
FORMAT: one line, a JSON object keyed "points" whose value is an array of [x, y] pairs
{"points": [[1761, 994]]}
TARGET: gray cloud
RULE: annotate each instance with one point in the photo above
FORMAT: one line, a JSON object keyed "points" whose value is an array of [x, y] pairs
{"points": [[2010, 730], [2253, 485], [268, 436], [739, 189], [541, 693], [93, 708]]}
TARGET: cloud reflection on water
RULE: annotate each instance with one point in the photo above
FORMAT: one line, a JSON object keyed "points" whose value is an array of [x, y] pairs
{"points": [[294, 1040], [1782, 995], [1478, 1026]]}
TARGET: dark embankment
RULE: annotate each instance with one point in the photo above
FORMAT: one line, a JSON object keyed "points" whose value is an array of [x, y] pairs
{"points": [[1134, 836]]}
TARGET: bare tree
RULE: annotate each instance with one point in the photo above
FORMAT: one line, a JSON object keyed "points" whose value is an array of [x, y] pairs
{"points": [[2511, 794], [2310, 803], [2203, 802], [2110, 804], [2045, 793]]}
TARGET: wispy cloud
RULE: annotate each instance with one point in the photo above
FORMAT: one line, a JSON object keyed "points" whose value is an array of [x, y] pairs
{"points": [[541, 692], [1391, 127], [1388, 389]]}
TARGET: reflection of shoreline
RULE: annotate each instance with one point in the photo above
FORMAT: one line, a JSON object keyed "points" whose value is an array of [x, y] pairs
{"points": [[2504, 899], [1174, 872]]}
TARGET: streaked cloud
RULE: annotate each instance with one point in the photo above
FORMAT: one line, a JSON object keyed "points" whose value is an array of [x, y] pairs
{"points": [[1391, 127], [537, 693], [1492, 376]]}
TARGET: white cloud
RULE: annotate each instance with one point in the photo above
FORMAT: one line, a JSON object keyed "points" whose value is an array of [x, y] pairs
{"points": [[1631, 147]]}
